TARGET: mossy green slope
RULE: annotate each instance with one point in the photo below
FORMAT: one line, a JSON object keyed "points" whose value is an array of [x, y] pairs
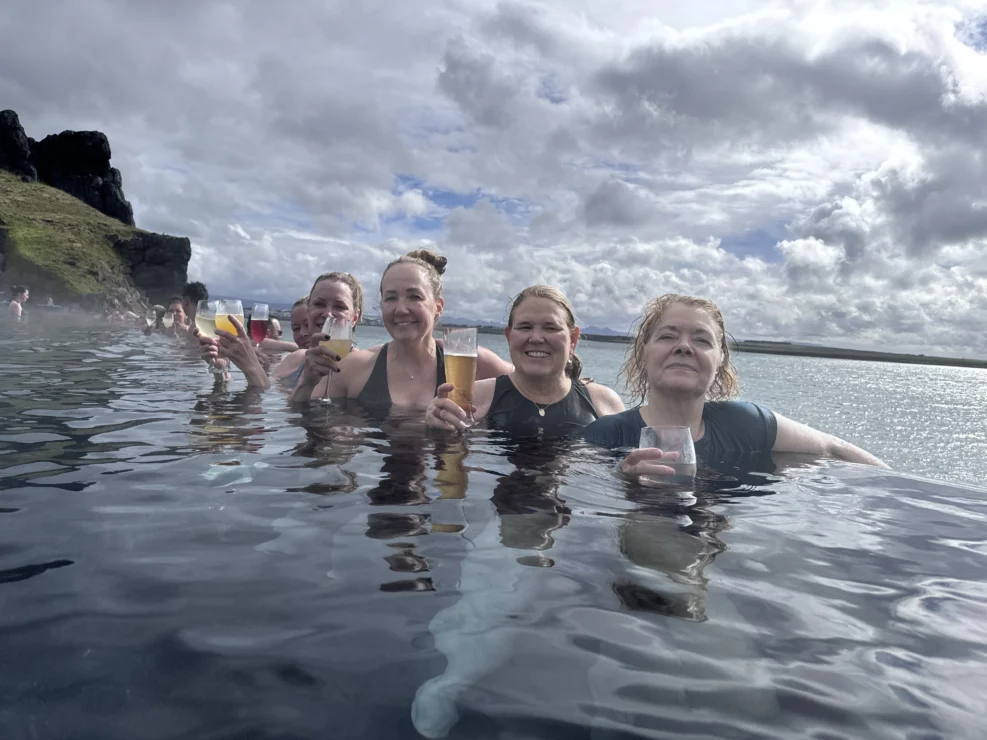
{"points": [[57, 244]]}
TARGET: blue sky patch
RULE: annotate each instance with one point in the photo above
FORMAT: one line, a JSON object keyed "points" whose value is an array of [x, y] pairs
{"points": [[758, 242]]}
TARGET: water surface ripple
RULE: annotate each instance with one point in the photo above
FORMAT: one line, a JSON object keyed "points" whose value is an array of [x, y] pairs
{"points": [[178, 561]]}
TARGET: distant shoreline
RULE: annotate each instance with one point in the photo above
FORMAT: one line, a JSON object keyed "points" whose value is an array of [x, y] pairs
{"points": [[792, 349]]}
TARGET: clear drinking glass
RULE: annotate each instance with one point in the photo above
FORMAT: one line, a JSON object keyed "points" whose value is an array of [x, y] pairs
{"points": [[678, 453], [460, 365], [168, 320], [259, 316], [340, 333], [205, 318], [227, 309], [205, 322]]}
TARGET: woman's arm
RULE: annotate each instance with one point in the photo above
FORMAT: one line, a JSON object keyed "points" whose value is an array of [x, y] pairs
{"points": [[605, 400], [799, 438], [490, 365], [275, 346]]}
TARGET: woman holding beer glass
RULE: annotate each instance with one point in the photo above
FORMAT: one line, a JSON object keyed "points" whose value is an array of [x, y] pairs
{"points": [[543, 391], [407, 370], [680, 364]]}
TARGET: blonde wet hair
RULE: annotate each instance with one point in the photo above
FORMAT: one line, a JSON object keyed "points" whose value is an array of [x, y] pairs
{"points": [[346, 279], [634, 373]]}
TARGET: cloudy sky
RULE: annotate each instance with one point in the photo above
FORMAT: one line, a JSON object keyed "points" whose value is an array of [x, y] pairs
{"points": [[819, 169]]}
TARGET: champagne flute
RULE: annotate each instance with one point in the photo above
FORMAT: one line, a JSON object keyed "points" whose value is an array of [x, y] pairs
{"points": [[150, 317], [259, 316], [205, 322], [205, 318], [228, 309], [678, 453], [168, 320], [460, 365], [340, 333]]}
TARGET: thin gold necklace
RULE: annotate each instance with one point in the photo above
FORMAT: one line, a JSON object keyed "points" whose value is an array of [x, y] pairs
{"points": [[420, 367], [541, 409]]}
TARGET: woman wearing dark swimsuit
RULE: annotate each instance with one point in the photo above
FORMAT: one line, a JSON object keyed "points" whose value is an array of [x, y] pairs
{"points": [[406, 371], [544, 390]]}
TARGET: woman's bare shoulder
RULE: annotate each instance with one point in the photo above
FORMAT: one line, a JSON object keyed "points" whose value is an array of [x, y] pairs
{"points": [[605, 400]]}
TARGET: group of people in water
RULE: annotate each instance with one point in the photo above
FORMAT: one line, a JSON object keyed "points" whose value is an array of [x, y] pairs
{"points": [[678, 370]]}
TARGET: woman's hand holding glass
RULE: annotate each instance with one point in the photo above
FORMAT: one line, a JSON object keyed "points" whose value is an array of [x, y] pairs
{"points": [[664, 455], [319, 361], [444, 413], [648, 462], [209, 351]]}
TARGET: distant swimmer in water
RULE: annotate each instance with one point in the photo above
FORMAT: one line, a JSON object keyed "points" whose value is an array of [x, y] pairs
{"points": [[15, 309], [406, 371], [543, 392], [680, 365]]}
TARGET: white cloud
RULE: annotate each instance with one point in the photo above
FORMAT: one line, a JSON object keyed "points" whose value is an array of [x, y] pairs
{"points": [[816, 168]]}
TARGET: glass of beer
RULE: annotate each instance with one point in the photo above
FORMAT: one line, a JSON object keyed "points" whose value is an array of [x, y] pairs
{"points": [[460, 360], [168, 320], [226, 310], [340, 333], [259, 316], [150, 317], [678, 453]]}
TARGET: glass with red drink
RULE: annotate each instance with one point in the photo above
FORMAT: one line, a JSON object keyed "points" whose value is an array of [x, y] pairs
{"points": [[259, 317]]}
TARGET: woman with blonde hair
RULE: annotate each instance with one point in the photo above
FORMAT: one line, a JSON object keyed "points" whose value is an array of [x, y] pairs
{"points": [[337, 294], [406, 371], [680, 365], [543, 390]]}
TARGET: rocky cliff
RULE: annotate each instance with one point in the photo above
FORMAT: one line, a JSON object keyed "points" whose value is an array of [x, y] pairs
{"points": [[79, 248]]}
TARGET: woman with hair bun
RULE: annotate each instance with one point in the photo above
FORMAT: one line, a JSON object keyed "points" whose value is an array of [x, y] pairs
{"points": [[543, 391], [406, 371], [680, 364]]}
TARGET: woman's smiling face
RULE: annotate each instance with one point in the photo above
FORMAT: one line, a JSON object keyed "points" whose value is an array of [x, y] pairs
{"points": [[409, 308], [330, 298], [539, 338]]}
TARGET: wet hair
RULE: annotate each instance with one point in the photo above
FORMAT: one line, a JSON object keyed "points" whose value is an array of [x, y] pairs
{"points": [[16, 290], [573, 366], [634, 373], [433, 264], [174, 299], [195, 292], [346, 279]]}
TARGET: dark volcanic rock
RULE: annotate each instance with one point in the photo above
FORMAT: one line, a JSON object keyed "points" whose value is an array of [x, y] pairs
{"points": [[15, 147], [158, 263], [78, 162]]}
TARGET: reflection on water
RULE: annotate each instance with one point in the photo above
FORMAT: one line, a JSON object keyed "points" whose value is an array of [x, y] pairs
{"points": [[184, 561]]}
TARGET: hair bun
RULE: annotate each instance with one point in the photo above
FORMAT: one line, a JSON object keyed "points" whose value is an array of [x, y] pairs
{"points": [[428, 256]]}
